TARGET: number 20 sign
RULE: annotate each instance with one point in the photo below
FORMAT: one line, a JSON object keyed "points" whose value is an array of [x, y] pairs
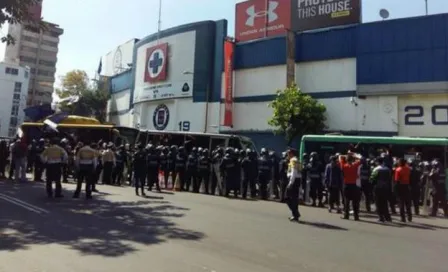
{"points": [[414, 115]]}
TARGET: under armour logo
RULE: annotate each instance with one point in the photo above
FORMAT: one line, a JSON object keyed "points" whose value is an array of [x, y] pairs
{"points": [[272, 16]]}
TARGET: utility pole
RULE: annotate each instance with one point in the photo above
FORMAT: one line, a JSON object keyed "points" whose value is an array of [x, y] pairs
{"points": [[426, 7], [159, 23]]}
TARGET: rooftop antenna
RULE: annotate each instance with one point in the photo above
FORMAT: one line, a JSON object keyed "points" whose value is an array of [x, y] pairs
{"points": [[159, 23], [384, 13], [426, 7]]}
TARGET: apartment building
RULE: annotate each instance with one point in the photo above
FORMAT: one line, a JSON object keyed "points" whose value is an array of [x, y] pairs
{"points": [[14, 81], [37, 49]]}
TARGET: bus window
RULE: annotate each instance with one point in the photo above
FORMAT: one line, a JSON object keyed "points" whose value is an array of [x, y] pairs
{"points": [[235, 142], [217, 142]]}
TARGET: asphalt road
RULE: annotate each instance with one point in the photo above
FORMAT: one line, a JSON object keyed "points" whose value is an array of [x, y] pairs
{"points": [[118, 231]]}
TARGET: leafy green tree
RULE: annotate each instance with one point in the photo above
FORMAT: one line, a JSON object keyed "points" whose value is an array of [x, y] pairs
{"points": [[93, 96], [296, 114], [17, 12]]}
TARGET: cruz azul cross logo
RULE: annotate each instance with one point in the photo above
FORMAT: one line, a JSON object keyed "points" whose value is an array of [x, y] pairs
{"points": [[270, 13], [156, 63]]}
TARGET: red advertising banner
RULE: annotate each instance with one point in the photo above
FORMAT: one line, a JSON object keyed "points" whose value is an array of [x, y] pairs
{"points": [[229, 48], [256, 19]]}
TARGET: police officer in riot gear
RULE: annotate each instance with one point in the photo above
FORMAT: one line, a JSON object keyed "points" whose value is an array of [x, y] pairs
{"points": [[192, 171], [54, 157], [264, 172], [217, 156], [171, 163], [38, 165], [85, 161], [275, 175], [282, 173], [415, 178], [139, 169], [303, 185], [249, 166], [121, 161], [366, 187], [438, 179], [314, 169], [180, 165], [204, 163], [381, 181], [229, 172], [163, 164], [152, 164]]}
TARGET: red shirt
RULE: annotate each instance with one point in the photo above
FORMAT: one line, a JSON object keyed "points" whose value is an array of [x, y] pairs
{"points": [[350, 172], [402, 175]]}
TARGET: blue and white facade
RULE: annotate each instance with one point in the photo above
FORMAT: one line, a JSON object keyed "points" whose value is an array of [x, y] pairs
{"points": [[382, 78]]}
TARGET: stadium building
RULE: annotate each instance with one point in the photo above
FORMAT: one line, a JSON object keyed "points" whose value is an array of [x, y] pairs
{"points": [[383, 78]]}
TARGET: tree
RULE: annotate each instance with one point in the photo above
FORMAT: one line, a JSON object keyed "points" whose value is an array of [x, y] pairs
{"points": [[93, 97], [296, 114], [17, 12]]}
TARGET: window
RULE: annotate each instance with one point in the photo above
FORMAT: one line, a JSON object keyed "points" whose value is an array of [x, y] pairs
{"points": [[14, 110], [18, 87], [12, 132], [30, 39], [33, 70], [13, 121], [28, 49], [32, 29], [50, 43], [16, 96], [27, 74], [11, 71], [52, 33], [47, 63], [47, 53], [28, 59], [45, 73]]}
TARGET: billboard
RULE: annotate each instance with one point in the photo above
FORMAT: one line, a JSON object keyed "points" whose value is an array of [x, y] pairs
{"points": [[165, 68], [229, 49], [314, 14], [256, 19]]}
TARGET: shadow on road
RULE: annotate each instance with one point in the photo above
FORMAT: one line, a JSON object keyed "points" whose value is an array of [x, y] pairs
{"points": [[95, 227], [321, 225]]}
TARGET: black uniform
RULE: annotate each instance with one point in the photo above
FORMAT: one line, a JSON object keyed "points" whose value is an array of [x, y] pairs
{"points": [[316, 186], [152, 164], [381, 181], [171, 164], [438, 179], [38, 165], [282, 174], [120, 161], [415, 178], [229, 172], [275, 175], [250, 173], [216, 160], [192, 172], [139, 169], [366, 186], [264, 173], [204, 170], [163, 165], [180, 165]]}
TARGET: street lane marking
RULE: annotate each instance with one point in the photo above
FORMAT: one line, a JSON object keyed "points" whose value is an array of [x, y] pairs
{"points": [[23, 204]]}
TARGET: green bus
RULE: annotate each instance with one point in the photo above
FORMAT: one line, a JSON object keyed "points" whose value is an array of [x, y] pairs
{"points": [[326, 145]]}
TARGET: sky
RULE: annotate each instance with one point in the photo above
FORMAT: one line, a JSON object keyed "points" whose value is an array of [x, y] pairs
{"points": [[92, 28]]}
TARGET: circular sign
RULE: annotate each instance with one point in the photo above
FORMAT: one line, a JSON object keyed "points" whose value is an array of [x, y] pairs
{"points": [[161, 117], [117, 61], [156, 63]]}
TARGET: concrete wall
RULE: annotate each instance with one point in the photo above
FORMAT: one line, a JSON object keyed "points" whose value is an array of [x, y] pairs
{"points": [[117, 60], [11, 97], [118, 108]]}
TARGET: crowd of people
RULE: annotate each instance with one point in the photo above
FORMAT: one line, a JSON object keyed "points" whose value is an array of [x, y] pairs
{"points": [[338, 183]]}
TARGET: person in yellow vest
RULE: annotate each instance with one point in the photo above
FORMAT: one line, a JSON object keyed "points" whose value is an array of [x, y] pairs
{"points": [[54, 157], [292, 189], [108, 163], [86, 162]]}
